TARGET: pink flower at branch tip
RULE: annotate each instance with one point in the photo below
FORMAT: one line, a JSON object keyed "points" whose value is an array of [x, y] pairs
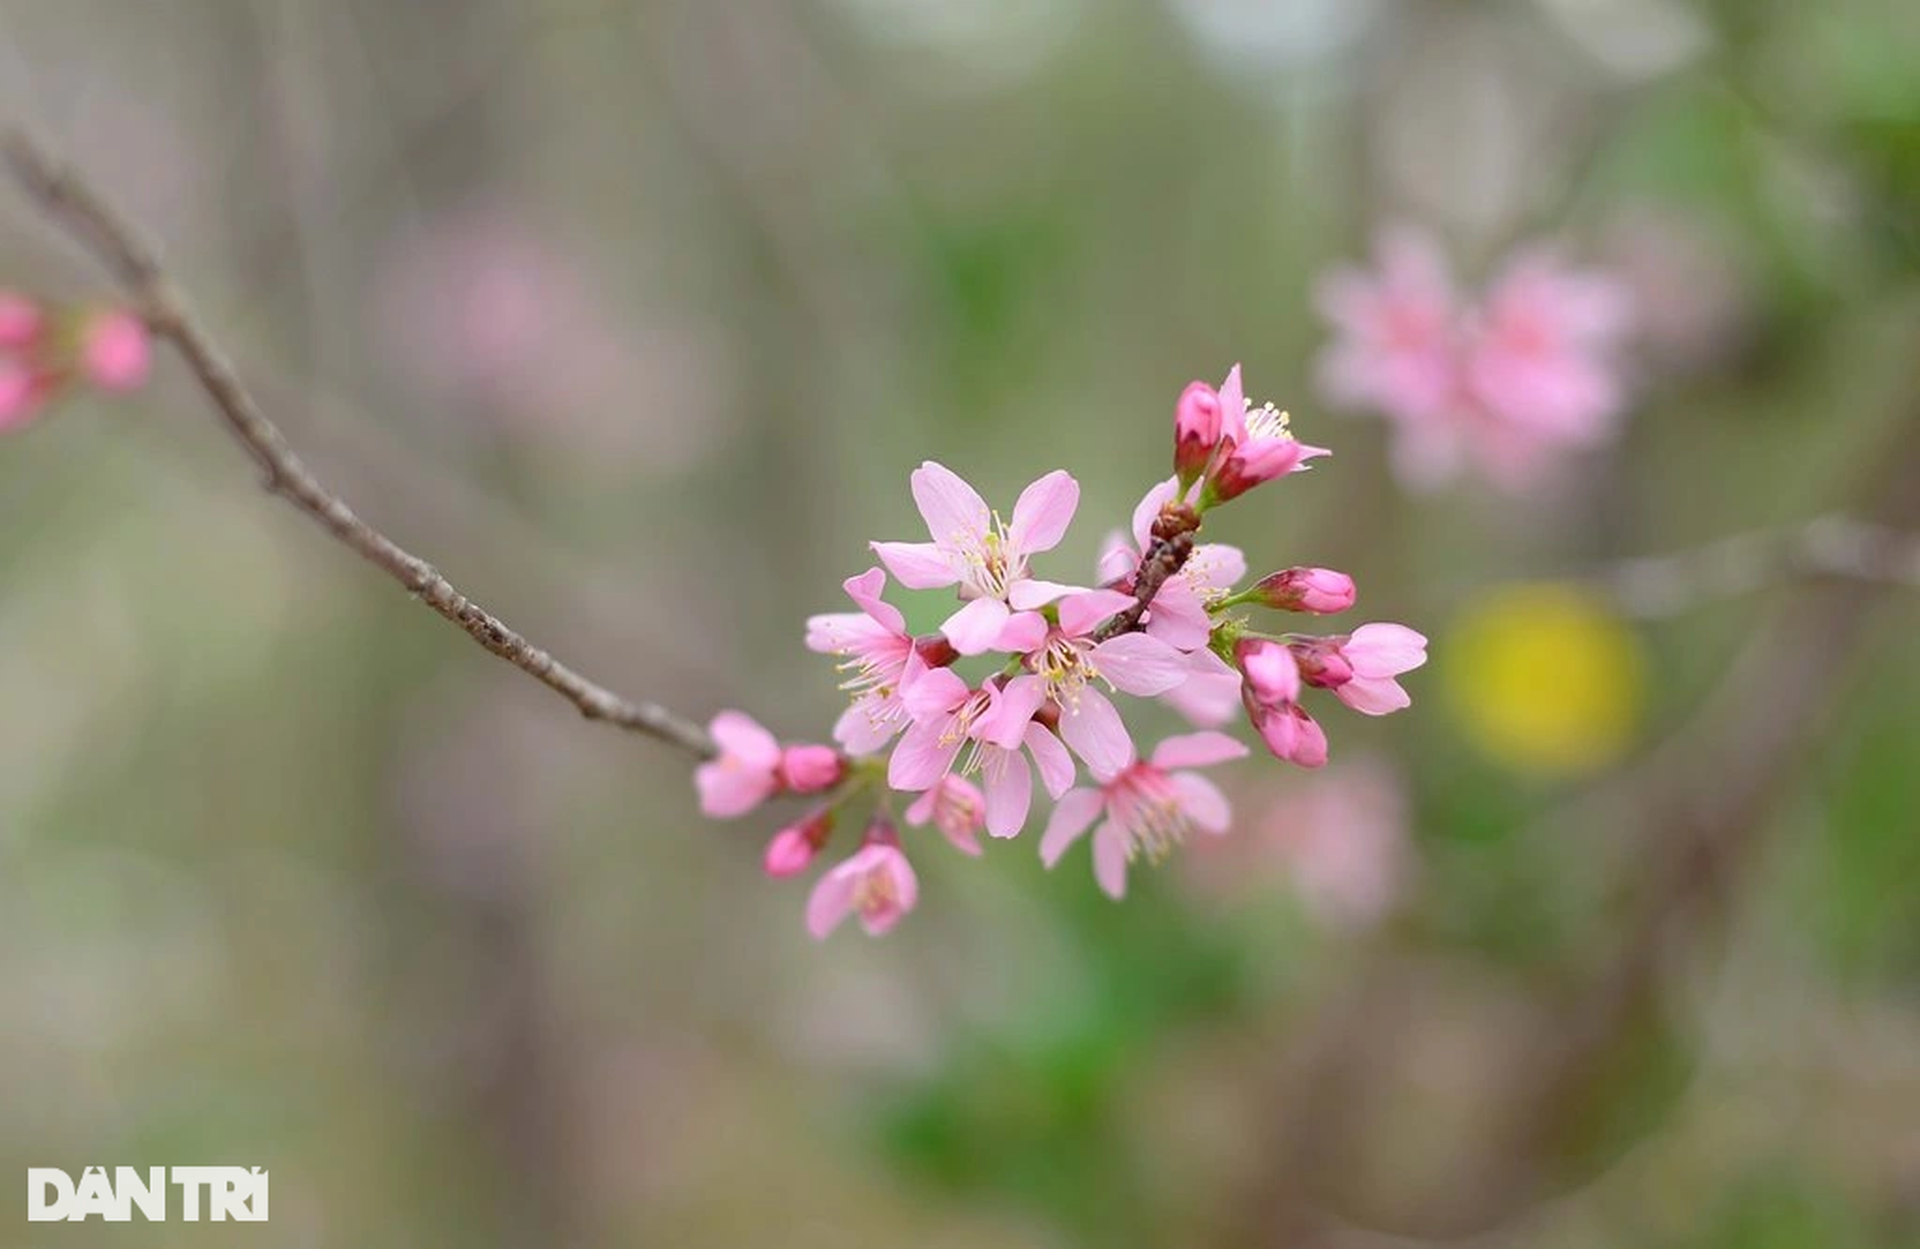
{"points": [[1257, 445], [1150, 807], [972, 549], [877, 884]]}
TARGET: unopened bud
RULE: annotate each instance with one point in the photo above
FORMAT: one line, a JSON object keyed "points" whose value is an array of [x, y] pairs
{"points": [[810, 769], [1196, 431], [115, 351], [794, 846], [1272, 674], [1317, 590]]}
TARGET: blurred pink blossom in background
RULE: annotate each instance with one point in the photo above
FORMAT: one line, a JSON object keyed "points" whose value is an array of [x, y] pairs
{"points": [[1502, 386], [1338, 839]]}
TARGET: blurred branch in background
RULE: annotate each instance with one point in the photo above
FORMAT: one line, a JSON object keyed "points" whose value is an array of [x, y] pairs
{"points": [[76, 208], [1699, 803], [1658, 586]]}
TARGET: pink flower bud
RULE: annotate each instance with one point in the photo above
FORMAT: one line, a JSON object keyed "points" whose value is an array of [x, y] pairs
{"points": [[1323, 662], [1317, 590], [21, 321], [1196, 431], [1292, 735], [795, 846], [810, 769], [1272, 674], [115, 352]]}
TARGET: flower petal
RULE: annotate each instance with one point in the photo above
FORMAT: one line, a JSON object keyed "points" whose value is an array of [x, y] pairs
{"points": [[934, 694], [1029, 593], [741, 736], [1071, 817], [866, 590], [1147, 511], [1055, 764], [923, 756], [1203, 802], [1094, 729], [1042, 513], [1009, 785], [957, 517], [1080, 613], [919, 565], [1233, 407], [1110, 859], [1374, 696], [1197, 750], [1117, 559], [1140, 663], [830, 901], [1385, 650], [1009, 710], [1025, 631], [975, 628], [1177, 616]]}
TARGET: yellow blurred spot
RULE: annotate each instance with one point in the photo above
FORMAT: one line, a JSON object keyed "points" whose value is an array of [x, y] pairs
{"points": [[1544, 678]]}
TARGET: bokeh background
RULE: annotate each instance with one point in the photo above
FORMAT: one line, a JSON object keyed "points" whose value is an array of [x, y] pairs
{"points": [[634, 317]]}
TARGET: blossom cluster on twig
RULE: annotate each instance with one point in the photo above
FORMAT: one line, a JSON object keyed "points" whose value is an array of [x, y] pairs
{"points": [[1054, 663]]}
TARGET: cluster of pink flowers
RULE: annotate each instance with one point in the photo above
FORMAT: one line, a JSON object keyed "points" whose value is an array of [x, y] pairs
{"points": [[1162, 620], [45, 350], [1503, 385]]}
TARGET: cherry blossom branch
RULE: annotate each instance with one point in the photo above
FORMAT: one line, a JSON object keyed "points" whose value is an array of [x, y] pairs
{"points": [[1166, 554], [76, 208]]}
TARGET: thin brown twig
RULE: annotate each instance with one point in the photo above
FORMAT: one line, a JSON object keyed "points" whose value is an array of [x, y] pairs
{"points": [[76, 208]]}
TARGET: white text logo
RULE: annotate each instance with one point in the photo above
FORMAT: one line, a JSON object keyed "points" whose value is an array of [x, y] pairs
{"points": [[212, 1193]]}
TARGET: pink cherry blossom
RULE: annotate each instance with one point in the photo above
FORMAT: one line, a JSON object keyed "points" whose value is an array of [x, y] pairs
{"points": [[877, 884], [957, 808], [1396, 332], [1503, 387], [1150, 807], [116, 353], [1178, 615], [1257, 445], [1068, 661], [746, 772], [972, 549], [993, 724], [1539, 354], [876, 649]]}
